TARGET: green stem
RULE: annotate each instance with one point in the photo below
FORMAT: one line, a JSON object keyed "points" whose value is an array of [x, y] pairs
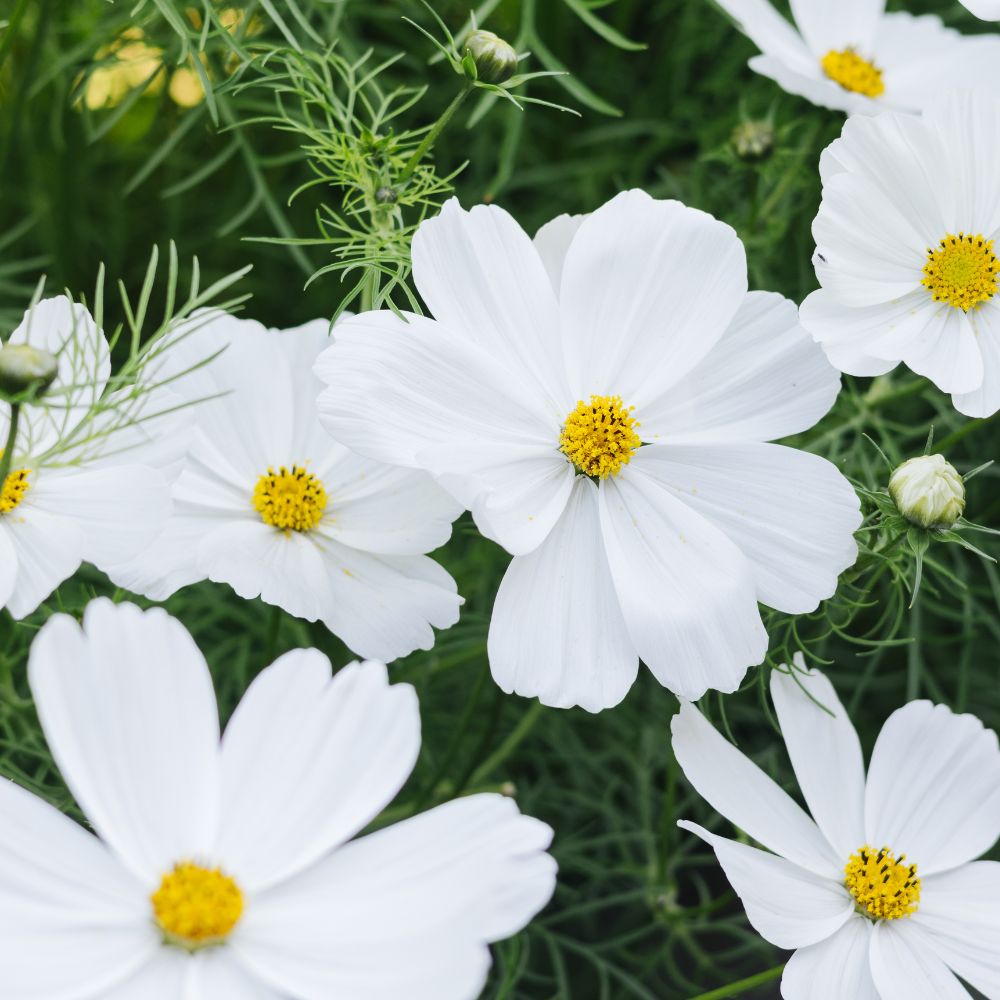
{"points": [[736, 989], [7, 456], [431, 137]]}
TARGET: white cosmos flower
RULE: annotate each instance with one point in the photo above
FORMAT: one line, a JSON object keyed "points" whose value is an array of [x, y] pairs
{"points": [[850, 55], [71, 495], [879, 893], [638, 317], [905, 249], [269, 504], [226, 871]]}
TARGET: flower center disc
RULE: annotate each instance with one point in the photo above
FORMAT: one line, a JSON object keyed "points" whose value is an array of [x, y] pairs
{"points": [[600, 437], [884, 886], [290, 499], [197, 907], [14, 488], [853, 72], [962, 271]]}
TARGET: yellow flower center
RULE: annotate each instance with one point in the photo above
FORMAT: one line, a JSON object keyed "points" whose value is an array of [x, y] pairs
{"points": [[853, 72], [962, 271], [290, 499], [197, 907], [885, 887], [600, 437], [15, 486]]}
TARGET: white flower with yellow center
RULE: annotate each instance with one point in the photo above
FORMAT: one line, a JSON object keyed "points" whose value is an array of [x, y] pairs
{"points": [[269, 504], [600, 400], [906, 251], [70, 494], [850, 55], [879, 892], [227, 869]]}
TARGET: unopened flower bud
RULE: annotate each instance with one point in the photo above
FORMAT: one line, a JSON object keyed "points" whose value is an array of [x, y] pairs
{"points": [[24, 367], [928, 491], [495, 60], [753, 140]]}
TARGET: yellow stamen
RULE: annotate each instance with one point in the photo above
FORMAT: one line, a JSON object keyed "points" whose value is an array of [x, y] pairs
{"points": [[290, 499], [962, 271], [600, 437], [197, 907], [884, 886], [13, 488], [853, 72]]}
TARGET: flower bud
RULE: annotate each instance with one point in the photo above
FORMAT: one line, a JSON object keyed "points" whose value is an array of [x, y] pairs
{"points": [[753, 140], [495, 60], [23, 367], [928, 491]]}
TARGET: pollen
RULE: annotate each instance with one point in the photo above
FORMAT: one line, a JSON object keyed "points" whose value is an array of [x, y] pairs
{"points": [[853, 72], [290, 499], [197, 907], [884, 886], [15, 486], [600, 437], [962, 271]]}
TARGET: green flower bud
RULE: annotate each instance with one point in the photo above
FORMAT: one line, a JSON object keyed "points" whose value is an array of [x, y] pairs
{"points": [[24, 367], [753, 140], [495, 60], [928, 492]]}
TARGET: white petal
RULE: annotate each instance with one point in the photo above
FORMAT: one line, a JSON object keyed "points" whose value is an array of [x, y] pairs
{"points": [[47, 551], [308, 761], [413, 394], [916, 53], [407, 911], [73, 921], [787, 905], [557, 631], [481, 276], [552, 243], [988, 10], [648, 288], [826, 755], [899, 154], [868, 250], [905, 967], [852, 336], [384, 607], [8, 565], [765, 379], [835, 969], [944, 348], [960, 911], [67, 330], [984, 401], [851, 25], [216, 974], [934, 787], [770, 32], [738, 789], [521, 514], [252, 379], [129, 713], [686, 591], [809, 81], [792, 514], [379, 508], [164, 977], [119, 509], [285, 569]]}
